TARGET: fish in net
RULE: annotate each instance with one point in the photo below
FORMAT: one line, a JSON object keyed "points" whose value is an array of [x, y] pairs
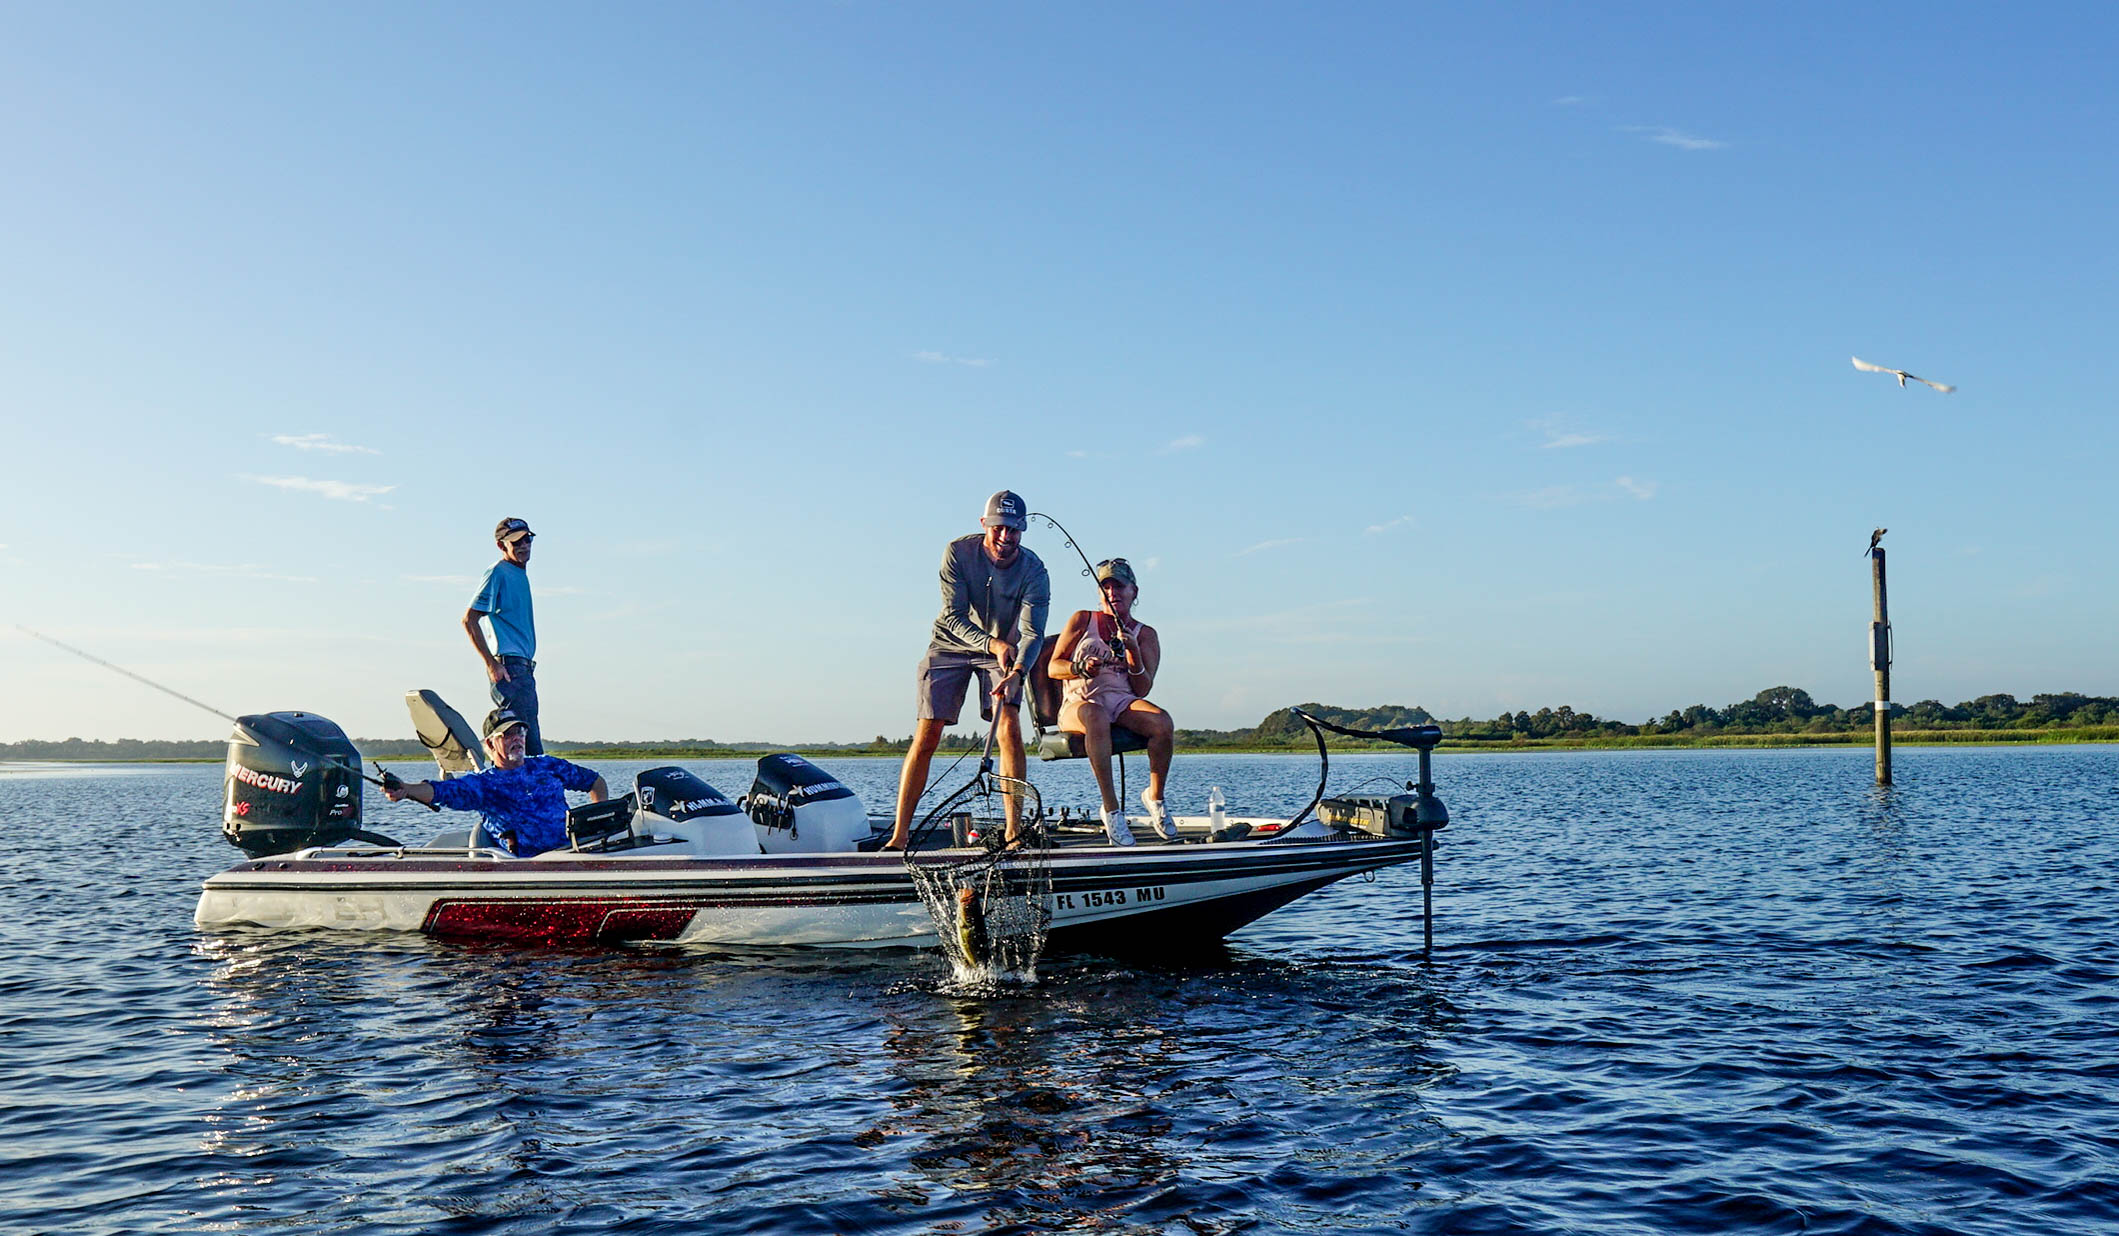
{"points": [[991, 903]]}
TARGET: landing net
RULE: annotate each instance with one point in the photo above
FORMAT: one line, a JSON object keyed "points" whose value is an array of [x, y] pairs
{"points": [[991, 903]]}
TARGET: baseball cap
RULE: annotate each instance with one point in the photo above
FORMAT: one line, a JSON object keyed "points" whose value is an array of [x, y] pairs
{"points": [[500, 719], [511, 529], [1005, 509], [1116, 568]]}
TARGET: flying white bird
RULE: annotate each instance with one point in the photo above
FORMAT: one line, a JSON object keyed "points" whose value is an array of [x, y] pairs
{"points": [[1866, 367]]}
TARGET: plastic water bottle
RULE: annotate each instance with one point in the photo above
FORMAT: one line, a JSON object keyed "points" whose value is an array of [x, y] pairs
{"points": [[1217, 813]]}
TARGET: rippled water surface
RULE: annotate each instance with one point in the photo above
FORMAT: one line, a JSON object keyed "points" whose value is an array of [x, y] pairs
{"points": [[1687, 991]]}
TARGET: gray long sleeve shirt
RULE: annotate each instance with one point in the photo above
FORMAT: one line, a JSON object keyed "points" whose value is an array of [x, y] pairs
{"points": [[981, 601]]}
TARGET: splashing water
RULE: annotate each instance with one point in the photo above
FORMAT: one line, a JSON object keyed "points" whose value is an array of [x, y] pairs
{"points": [[991, 908]]}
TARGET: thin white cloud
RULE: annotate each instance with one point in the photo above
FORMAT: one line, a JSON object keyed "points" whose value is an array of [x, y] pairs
{"points": [[1570, 100], [1552, 497], [321, 442], [1644, 490], [462, 581], [1399, 522], [1673, 137], [1146, 564], [1276, 543], [241, 570], [1559, 435], [1186, 443], [943, 358], [341, 491], [1077, 454]]}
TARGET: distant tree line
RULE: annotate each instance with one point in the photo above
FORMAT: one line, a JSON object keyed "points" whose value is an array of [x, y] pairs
{"points": [[149, 750], [1773, 711], [1788, 712]]}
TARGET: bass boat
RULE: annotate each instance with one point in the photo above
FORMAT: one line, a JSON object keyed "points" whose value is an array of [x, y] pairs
{"points": [[796, 860]]}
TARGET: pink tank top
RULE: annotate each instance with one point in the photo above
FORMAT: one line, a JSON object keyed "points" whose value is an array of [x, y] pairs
{"points": [[1110, 678]]}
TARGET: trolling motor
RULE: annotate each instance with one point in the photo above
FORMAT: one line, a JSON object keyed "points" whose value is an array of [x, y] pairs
{"points": [[1399, 815], [1416, 814], [293, 781]]}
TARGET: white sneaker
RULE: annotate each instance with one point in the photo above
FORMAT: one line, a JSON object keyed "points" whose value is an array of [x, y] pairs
{"points": [[1165, 827], [1116, 828]]}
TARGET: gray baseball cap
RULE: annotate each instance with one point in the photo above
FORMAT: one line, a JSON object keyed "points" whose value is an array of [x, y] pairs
{"points": [[1006, 509]]}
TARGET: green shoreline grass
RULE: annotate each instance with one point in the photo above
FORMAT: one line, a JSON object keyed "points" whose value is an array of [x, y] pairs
{"points": [[1623, 742]]}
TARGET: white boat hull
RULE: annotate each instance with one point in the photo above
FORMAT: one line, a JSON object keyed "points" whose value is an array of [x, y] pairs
{"points": [[1101, 895]]}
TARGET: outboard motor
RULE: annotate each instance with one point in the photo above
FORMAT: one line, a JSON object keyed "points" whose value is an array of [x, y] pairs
{"points": [[801, 809], [675, 803], [293, 781]]}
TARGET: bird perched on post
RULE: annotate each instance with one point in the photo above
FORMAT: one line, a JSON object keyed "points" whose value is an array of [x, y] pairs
{"points": [[1866, 367], [1874, 537]]}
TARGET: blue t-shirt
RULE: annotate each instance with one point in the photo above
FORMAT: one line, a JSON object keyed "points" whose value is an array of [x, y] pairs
{"points": [[529, 802], [504, 598]]}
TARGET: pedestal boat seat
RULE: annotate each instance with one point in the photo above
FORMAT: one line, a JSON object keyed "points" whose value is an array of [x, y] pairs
{"points": [[1045, 693]]}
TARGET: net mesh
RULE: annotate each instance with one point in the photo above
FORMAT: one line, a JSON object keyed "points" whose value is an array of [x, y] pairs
{"points": [[991, 903]]}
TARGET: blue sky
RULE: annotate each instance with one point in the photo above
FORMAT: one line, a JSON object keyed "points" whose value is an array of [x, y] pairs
{"points": [[1471, 357]]}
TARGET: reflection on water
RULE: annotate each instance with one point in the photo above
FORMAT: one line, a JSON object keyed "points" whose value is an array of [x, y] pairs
{"points": [[497, 1084], [1672, 991]]}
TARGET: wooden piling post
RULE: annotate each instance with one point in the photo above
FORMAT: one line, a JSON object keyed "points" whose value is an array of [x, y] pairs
{"points": [[1880, 661]]}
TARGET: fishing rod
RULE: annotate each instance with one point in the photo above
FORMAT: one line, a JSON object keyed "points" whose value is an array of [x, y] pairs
{"points": [[388, 780], [1119, 643]]}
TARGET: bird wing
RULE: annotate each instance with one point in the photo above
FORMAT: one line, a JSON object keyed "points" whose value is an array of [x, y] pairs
{"points": [[1944, 387], [1866, 367]]}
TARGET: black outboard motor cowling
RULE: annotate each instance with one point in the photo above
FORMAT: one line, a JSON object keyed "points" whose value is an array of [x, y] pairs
{"points": [[293, 781], [677, 794]]}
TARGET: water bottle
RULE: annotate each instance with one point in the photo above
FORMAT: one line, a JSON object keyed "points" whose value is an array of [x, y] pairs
{"points": [[1217, 815]]}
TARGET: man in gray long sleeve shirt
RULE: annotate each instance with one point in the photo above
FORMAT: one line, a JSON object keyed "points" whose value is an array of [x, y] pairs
{"points": [[995, 599]]}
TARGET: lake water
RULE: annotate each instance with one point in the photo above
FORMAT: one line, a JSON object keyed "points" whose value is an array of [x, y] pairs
{"points": [[1672, 992]]}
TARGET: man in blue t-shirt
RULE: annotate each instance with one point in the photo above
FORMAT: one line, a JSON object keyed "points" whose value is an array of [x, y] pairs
{"points": [[521, 801], [504, 600]]}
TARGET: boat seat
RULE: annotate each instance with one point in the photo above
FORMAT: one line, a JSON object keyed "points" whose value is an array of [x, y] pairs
{"points": [[445, 734], [1045, 693], [1061, 745]]}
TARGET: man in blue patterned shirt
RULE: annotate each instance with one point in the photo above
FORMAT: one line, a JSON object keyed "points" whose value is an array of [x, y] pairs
{"points": [[521, 801]]}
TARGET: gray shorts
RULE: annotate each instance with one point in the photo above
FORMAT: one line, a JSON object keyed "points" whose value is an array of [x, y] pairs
{"points": [[945, 673]]}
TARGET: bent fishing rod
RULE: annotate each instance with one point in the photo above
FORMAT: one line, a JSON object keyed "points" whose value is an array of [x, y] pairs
{"points": [[387, 781], [1119, 643]]}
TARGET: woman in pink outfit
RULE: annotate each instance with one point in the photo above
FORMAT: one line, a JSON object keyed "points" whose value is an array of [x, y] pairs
{"points": [[1107, 660]]}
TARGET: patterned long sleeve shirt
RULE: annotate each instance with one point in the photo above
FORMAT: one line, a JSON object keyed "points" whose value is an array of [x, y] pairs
{"points": [[520, 810]]}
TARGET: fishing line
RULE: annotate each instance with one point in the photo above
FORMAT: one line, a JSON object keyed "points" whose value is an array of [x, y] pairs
{"points": [[149, 682]]}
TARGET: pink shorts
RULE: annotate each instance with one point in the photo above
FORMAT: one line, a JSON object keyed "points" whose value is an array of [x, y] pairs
{"points": [[1110, 703]]}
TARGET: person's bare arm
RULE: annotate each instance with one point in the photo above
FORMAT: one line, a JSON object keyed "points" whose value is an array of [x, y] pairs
{"points": [[1061, 664], [495, 671], [599, 791], [1151, 659]]}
